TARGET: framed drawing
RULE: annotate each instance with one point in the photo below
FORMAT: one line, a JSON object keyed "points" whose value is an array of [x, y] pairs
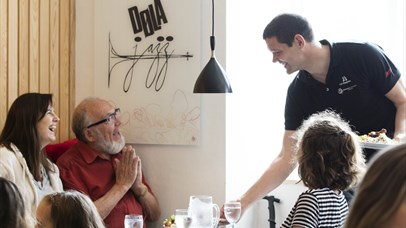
{"points": [[147, 58]]}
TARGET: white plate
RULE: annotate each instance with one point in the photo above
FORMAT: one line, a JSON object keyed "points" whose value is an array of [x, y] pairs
{"points": [[376, 146]]}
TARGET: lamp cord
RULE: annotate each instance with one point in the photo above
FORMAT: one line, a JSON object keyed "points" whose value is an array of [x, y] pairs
{"points": [[212, 38], [212, 18]]}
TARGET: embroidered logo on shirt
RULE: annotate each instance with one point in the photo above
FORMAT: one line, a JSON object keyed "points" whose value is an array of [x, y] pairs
{"points": [[389, 72], [345, 85], [344, 80]]}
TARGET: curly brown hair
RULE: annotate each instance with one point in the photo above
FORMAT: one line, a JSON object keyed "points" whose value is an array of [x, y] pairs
{"points": [[328, 153]]}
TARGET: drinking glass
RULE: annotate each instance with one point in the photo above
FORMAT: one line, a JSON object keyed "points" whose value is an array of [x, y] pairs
{"points": [[182, 219], [133, 221], [232, 211]]}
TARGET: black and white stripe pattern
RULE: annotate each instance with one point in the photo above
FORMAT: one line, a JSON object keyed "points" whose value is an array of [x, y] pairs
{"points": [[318, 208]]}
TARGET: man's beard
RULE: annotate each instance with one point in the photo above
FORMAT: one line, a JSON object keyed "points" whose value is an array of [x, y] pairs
{"points": [[110, 147]]}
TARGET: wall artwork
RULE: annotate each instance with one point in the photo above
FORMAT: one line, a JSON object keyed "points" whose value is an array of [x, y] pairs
{"points": [[147, 58]]}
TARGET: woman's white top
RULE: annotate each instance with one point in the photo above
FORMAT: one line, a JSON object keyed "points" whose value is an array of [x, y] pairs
{"points": [[14, 168]]}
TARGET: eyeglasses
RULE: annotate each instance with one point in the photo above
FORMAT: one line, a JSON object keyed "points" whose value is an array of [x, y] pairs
{"points": [[108, 119]]}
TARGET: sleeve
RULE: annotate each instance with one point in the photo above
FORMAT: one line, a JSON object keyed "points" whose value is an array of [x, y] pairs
{"points": [[307, 211], [6, 165], [380, 69]]}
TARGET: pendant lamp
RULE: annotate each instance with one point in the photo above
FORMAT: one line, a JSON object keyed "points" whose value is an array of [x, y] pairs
{"points": [[213, 78]]}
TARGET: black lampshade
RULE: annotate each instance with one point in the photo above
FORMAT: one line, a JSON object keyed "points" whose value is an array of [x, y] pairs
{"points": [[212, 79]]}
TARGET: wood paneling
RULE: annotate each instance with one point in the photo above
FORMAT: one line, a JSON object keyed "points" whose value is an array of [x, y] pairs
{"points": [[3, 57], [37, 54]]}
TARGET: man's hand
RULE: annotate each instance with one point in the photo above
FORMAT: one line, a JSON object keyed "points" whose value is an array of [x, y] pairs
{"points": [[222, 221], [126, 167], [400, 138], [138, 187]]}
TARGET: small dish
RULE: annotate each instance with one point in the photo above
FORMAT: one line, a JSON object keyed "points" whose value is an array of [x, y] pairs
{"points": [[376, 146]]}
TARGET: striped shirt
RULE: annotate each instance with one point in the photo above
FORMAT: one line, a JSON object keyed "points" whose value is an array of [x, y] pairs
{"points": [[318, 208]]}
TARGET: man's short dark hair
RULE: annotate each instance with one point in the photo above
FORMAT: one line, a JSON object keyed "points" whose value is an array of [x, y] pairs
{"points": [[285, 26]]}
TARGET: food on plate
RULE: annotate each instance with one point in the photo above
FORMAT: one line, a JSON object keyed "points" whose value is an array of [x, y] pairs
{"points": [[170, 221], [377, 137]]}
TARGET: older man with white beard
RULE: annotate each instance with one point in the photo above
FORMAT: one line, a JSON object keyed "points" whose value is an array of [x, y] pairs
{"points": [[101, 166]]}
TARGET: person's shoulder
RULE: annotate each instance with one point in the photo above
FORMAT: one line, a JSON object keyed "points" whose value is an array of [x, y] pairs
{"points": [[318, 191], [55, 151], [310, 192], [10, 156], [307, 196], [68, 156], [11, 163], [356, 46], [4, 151]]}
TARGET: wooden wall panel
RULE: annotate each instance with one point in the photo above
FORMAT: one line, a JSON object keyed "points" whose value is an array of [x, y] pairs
{"points": [[44, 46], [12, 49], [23, 46], [33, 80], [3, 56], [54, 52], [37, 54], [72, 55], [64, 67]]}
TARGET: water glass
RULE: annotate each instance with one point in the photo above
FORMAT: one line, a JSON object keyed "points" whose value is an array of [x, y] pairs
{"points": [[232, 211], [182, 219], [133, 221]]}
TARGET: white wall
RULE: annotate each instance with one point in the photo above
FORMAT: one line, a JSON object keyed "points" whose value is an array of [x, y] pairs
{"points": [[174, 172]]}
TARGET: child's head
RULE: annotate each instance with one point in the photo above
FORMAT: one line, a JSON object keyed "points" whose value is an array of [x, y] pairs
{"points": [[328, 152], [68, 209]]}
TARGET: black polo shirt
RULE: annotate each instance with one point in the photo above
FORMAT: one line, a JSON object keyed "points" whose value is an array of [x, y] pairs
{"points": [[359, 76]]}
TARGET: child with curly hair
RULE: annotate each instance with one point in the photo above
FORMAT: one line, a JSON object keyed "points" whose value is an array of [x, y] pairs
{"points": [[330, 161]]}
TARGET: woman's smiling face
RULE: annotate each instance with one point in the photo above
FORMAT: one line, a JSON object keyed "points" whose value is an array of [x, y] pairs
{"points": [[46, 127]]}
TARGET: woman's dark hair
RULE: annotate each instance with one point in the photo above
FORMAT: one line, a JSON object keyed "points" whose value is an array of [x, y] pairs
{"points": [[12, 210], [285, 26], [20, 129]]}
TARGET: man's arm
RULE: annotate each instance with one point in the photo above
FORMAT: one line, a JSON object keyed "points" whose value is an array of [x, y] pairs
{"points": [[398, 96], [148, 201], [106, 203], [275, 174], [125, 177], [150, 205]]}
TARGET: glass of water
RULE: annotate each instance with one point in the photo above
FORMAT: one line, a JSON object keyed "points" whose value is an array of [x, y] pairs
{"points": [[182, 218], [133, 221], [232, 211]]}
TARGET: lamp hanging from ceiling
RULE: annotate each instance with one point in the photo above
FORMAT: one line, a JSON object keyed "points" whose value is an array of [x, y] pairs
{"points": [[213, 78]]}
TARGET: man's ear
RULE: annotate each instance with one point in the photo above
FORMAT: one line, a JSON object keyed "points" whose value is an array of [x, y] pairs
{"points": [[299, 40], [89, 135]]}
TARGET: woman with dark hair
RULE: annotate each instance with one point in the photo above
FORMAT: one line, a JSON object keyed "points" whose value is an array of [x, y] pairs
{"points": [[68, 209], [12, 210], [330, 161], [30, 126]]}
